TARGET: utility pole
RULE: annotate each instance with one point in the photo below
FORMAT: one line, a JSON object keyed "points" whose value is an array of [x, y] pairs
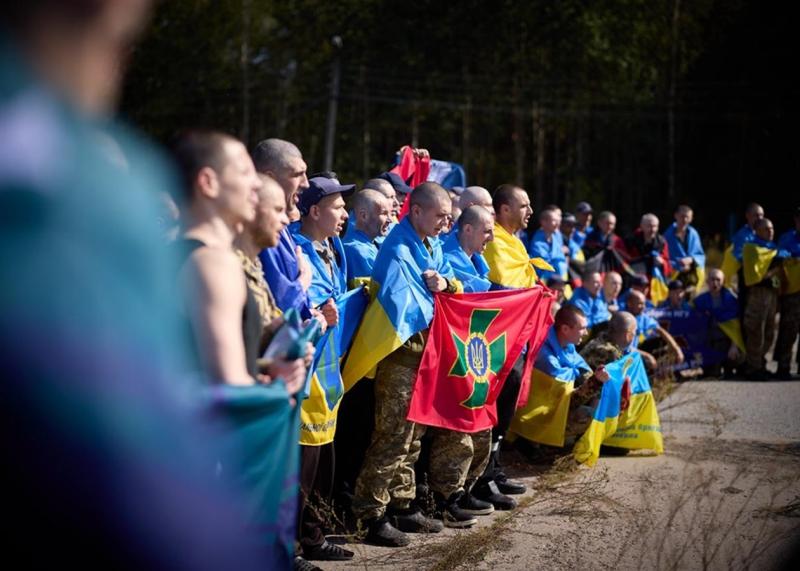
{"points": [[245, 65], [673, 80], [333, 102]]}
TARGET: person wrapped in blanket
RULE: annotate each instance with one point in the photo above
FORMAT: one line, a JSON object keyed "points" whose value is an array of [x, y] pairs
{"points": [[659, 349], [725, 330]]}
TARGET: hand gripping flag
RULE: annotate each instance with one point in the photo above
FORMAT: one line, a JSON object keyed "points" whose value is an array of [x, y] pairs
{"points": [[325, 387], [509, 263], [402, 306], [637, 427], [474, 341]]}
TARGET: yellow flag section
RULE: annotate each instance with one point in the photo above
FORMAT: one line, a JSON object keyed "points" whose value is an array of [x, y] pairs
{"points": [[544, 418], [638, 427], [756, 258], [791, 269], [730, 266], [508, 260]]}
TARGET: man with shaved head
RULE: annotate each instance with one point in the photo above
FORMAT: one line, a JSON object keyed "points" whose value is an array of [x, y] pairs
{"points": [[548, 244], [612, 286], [286, 272], [371, 218], [648, 254], [473, 195], [603, 248], [648, 329], [762, 269], [721, 307], [589, 298], [732, 261], [386, 485], [386, 189]]}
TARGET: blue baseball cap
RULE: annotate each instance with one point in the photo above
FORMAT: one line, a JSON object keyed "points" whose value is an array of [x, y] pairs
{"points": [[318, 188], [397, 183]]}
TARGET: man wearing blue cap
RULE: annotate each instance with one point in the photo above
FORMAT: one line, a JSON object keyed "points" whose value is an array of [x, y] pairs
{"points": [[399, 185], [322, 216]]}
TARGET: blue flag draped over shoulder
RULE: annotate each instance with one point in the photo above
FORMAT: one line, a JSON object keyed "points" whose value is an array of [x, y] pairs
{"points": [[260, 430], [637, 427], [325, 388], [402, 306], [472, 271]]}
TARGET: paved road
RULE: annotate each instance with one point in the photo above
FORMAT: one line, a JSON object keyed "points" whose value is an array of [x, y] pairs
{"points": [[726, 494]]}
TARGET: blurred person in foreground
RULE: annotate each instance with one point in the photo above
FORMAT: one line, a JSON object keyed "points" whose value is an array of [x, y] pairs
{"points": [[121, 473]]}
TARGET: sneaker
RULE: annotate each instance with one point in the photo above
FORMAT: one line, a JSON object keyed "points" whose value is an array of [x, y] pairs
{"points": [[301, 564], [510, 487], [490, 493], [381, 532], [452, 514], [414, 521], [327, 552], [473, 506]]}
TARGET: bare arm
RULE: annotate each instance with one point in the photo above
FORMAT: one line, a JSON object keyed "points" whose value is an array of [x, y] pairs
{"points": [[215, 278], [673, 345]]}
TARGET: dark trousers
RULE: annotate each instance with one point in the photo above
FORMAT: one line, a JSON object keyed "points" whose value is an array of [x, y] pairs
{"points": [[506, 408], [355, 424], [317, 464]]}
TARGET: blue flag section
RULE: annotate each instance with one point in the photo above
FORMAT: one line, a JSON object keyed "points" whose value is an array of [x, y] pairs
{"points": [[259, 431], [691, 331], [636, 427], [324, 388]]}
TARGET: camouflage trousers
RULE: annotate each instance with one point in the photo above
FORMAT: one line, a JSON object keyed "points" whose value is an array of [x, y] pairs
{"points": [[387, 475], [759, 324], [788, 330]]}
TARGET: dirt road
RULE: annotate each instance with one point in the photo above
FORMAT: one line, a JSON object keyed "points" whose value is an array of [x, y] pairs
{"points": [[726, 494]]}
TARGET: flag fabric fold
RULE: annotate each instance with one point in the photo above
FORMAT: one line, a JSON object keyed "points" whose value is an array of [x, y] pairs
{"points": [[325, 386], [509, 263], [637, 427], [544, 418], [402, 304], [260, 433], [474, 341]]}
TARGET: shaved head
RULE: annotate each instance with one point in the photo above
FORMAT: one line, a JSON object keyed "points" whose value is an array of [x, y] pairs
{"points": [[428, 194], [381, 185], [476, 195]]}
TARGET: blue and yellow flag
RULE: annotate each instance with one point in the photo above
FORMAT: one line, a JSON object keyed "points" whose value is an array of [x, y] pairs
{"points": [[544, 418], [725, 314], [325, 387], [637, 427], [659, 292], [402, 305]]}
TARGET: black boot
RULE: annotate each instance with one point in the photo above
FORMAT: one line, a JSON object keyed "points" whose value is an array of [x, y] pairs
{"points": [[452, 514], [488, 492], [414, 521], [381, 532]]}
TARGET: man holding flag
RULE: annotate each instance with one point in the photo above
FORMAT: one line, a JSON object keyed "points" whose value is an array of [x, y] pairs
{"points": [[732, 259], [322, 212], [562, 384], [720, 305], [649, 254], [409, 268], [762, 270], [372, 217], [510, 267], [687, 257]]}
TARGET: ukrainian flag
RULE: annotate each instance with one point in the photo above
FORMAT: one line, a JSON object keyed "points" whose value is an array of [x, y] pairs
{"points": [[325, 388], [402, 304], [757, 257], [544, 418], [659, 292], [726, 314], [791, 268], [509, 263], [638, 427]]}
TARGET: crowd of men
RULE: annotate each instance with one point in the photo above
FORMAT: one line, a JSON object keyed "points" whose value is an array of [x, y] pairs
{"points": [[302, 242], [260, 239]]}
